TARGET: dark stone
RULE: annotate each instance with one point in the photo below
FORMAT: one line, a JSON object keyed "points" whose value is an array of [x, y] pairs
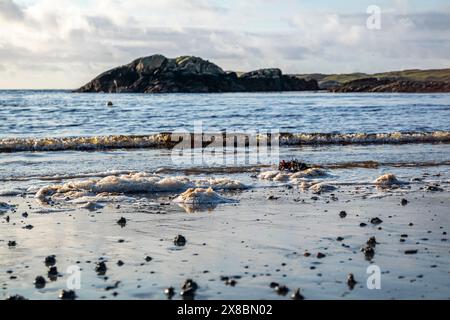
{"points": [[67, 295], [320, 255], [189, 283], [12, 243], [410, 251], [179, 240], [369, 252], [297, 295], [362, 224], [273, 285], [169, 292], [158, 74], [50, 261], [16, 297], [114, 286], [231, 282], [404, 202], [188, 294], [188, 289], [39, 282], [372, 242], [120, 263], [52, 272], [148, 258], [351, 282], [376, 220], [282, 290], [101, 268], [122, 222], [342, 214]]}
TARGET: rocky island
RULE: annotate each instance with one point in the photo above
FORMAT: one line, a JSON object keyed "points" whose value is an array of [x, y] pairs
{"points": [[188, 74]]}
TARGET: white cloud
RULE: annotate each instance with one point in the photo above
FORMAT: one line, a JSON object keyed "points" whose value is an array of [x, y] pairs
{"points": [[9, 11], [62, 43]]}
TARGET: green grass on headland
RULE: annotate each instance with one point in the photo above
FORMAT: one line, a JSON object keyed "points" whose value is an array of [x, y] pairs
{"points": [[414, 74]]}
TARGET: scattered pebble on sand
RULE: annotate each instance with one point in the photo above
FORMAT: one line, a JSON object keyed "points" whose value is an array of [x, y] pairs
{"points": [[101, 268], [39, 282], [376, 220], [50, 260], [169, 292], [297, 295], [179, 240], [122, 222], [351, 282], [67, 295]]}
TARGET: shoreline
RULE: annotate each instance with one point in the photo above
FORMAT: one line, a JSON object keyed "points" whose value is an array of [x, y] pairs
{"points": [[266, 241]]}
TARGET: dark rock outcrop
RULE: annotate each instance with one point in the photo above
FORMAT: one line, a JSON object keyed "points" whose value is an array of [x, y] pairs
{"points": [[158, 74], [392, 85]]}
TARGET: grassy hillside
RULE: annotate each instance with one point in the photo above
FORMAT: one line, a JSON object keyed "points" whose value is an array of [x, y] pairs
{"points": [[415, 74]]}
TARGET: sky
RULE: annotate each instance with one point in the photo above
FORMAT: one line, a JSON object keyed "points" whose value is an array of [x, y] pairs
{"points": [[62, 44]]}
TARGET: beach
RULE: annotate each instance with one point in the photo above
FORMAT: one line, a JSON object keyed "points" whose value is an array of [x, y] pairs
{"points": [[270, 230], [96, 203]]}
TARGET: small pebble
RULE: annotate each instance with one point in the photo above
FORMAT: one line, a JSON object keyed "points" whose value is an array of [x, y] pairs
{"points": [[39, 282], [122, 222], [320, 255], [297, 295], [101, 268], [50, 260], [179, 240], [351, 282], [67, 295], [376, 220]]}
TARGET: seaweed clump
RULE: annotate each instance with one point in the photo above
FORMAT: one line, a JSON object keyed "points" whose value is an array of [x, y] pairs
{"points": [[292, 166]]}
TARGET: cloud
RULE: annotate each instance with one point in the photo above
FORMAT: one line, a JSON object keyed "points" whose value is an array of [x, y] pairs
{"points": [[10, 11], [64, 43]]}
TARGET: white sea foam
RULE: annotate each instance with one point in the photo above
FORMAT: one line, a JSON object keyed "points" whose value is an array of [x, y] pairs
{"points": [[308, 179], [164, 140], [321, 187], [201, 196], [364, 138], [109, 188], [294, 177], [92, 206], [387, 180]]}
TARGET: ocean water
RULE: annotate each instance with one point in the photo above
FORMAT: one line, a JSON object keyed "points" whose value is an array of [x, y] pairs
{"points": [[29, 120], [62, 113]]}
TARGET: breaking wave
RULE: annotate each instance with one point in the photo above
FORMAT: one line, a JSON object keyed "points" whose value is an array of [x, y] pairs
{"points": [[164, 140]]}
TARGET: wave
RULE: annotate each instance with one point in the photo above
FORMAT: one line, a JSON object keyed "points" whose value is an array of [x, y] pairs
{"points": [[166, 140], [365, 138], [219, 170]]}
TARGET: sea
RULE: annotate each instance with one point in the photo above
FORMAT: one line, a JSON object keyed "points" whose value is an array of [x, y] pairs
{"points": [[46, 134]]}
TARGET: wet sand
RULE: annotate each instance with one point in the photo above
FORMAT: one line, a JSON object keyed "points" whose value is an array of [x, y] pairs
{"points": [[260, 240]]}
